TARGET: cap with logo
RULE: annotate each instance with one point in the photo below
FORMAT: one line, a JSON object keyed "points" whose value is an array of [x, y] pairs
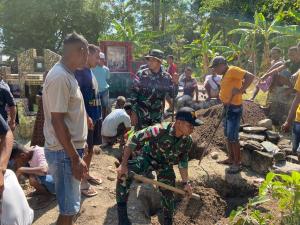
{"points": [[156, 54], [189, 115], [218, 60]]}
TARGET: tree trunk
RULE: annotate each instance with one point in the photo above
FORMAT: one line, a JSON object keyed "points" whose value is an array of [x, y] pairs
{"points": [[205, 63], [254, 54], [266, 56], [156, 14], [163, 15]]}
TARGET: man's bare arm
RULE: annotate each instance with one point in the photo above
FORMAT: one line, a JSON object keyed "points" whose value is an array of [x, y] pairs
{"points": [[248, 79], [6, 144], [12, 116], [273, 72], [184, 174], [63, 134]]}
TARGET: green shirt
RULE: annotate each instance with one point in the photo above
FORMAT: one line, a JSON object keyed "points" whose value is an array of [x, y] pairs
{"points": [[161, 146]]}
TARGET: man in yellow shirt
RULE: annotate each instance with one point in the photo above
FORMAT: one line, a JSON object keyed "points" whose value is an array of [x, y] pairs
{"points": [[294, 118], [234, 83]]}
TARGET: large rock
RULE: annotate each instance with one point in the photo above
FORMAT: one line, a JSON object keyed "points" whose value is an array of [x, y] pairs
{"points": [[267, 123], [279, 157], [254, 130], [254, 137], [292, 159], [270, 147], [142, 202], [286, 168], [253, 145], [260, 162], [288, 151], [284, 143], [272, 136]]}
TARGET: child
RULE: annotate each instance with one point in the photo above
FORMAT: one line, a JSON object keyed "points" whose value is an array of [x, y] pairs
{"points": [[37, 170]]}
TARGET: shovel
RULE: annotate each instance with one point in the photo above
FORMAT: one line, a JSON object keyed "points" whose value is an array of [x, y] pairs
{"points": [[160, 184]]}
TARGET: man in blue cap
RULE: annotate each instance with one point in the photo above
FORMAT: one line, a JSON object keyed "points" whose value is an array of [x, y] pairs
{"points": [[162, 146]]}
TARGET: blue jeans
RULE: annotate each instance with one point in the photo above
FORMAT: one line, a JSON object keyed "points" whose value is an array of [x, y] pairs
{"points": [[104, 98], [296, 137], [48, 182], [67, 188], [232, 122]]}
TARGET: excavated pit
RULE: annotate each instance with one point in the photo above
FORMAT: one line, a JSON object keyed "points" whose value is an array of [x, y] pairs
{"points": [[252, 114], [218, 199], [218, 196]]}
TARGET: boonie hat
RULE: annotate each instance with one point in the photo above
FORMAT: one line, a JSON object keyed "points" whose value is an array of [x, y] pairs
{"points": [[156, 54]]}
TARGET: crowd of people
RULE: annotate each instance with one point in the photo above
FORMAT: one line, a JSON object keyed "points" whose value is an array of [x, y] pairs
{"points": [[77, 117]]}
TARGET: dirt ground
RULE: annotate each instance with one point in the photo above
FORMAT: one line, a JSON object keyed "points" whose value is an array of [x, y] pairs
{"points": [[219, 192], [208, 178], [99, 209]]}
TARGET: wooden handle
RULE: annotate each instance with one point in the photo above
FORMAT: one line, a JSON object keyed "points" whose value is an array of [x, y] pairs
{"points": [[162, 185]]}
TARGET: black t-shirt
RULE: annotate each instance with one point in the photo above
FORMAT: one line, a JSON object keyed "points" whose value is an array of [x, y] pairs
{"points": [[3, 126], [6, 99]]}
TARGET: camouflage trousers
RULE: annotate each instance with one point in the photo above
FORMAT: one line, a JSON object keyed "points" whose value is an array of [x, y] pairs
{"points": [[145, 117], [142, 165]]}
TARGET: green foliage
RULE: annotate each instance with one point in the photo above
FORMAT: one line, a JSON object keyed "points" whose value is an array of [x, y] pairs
{"points": [[282, 188], [44, 24], [192, 30]]}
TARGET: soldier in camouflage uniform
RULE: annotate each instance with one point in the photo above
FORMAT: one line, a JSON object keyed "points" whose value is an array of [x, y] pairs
{"points": [[149, 90], [162, 146]]}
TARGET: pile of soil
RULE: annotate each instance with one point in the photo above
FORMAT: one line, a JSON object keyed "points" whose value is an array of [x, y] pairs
{"points": [[252, 113], [206, 211]]}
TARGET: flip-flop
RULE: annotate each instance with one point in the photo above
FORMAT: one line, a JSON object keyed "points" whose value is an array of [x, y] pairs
{"points": [[89, 192], [225, 162], [95, 181]]}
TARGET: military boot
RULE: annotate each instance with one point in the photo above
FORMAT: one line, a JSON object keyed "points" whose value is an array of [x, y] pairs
{"points": [[122, 214]]}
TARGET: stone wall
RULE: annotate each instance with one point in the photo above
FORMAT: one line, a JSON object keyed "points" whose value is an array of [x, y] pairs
{"points": [[4, 72], [50, 58], [279, 98], [26, 61]]}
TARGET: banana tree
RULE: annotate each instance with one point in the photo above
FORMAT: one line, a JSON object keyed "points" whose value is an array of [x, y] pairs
{"points": [[203, 48], [236, 51], [259, 29]]}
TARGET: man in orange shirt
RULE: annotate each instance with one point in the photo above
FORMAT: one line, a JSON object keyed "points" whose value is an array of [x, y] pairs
{"points": [[234, 83], [294, 118]]}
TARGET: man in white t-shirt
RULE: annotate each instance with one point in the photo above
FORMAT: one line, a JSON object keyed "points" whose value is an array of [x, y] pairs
{"points": [[212, 85], [14, 208], [115, 125]]}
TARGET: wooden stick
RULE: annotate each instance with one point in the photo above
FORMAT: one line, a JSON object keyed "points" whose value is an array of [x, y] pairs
{"points": [[162, 185]]}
